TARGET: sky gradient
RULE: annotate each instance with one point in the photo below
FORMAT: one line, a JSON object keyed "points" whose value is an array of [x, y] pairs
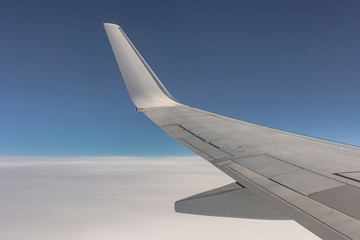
{"points": [[292, 65]]}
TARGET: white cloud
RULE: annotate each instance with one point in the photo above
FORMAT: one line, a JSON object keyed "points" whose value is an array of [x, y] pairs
{"points": [[110, 198]]}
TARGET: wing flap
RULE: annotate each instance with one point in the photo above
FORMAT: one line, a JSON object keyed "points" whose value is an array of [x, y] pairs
{"points": [[232, 200], [324, 221]]}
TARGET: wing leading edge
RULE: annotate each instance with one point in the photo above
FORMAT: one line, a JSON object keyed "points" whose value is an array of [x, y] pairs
{"points": [[312, 181]]}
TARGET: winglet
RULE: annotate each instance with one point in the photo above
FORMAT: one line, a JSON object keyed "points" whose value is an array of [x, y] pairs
{"points": [[144, 88]]}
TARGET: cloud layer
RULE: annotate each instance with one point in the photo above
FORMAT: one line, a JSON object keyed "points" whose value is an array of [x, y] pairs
{"points": [[110, 198]]}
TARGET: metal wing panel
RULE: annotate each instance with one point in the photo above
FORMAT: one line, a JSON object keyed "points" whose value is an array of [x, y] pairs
{"points": [[345, 198]]}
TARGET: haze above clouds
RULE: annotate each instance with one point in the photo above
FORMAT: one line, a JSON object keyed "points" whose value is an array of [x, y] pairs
{"points": [[109, 198]]}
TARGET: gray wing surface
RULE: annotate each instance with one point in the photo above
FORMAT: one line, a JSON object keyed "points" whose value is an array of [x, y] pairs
{"points": [[278, 174]]}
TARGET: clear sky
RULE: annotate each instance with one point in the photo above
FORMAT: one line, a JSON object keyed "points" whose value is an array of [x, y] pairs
{"points": [[292, 65]]}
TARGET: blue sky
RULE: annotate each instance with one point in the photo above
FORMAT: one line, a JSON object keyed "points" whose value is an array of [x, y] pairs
{"points": [[292, 65]]}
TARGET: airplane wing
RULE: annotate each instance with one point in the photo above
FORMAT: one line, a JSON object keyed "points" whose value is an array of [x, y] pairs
{"points": [[278, 174]]}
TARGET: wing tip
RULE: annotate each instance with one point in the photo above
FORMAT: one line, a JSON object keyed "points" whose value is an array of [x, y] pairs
{"points": [[110, 24]]}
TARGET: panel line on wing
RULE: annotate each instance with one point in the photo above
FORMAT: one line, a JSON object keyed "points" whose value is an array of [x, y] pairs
{"points": [[353, 175], [187, 137]]}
